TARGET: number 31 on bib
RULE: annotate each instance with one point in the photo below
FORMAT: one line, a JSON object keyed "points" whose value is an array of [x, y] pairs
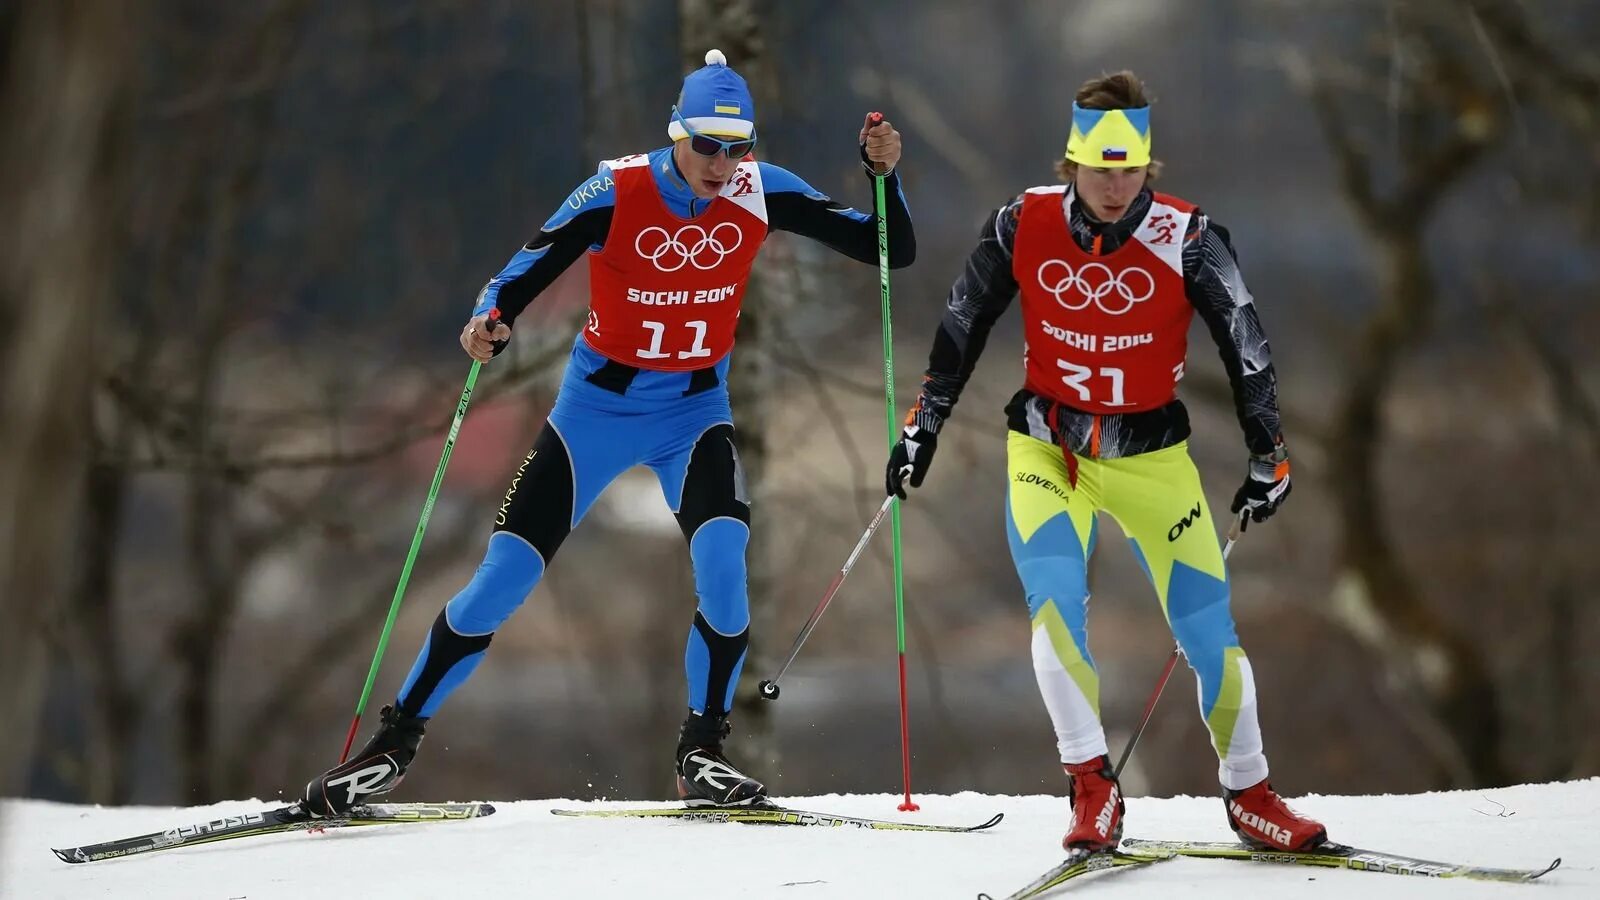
{"points": [[1077, 378]]}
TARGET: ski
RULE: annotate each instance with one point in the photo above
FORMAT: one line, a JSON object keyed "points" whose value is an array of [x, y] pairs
{"points": [[272, 821], [768, 815], [1341, 856], [1080, 862]]}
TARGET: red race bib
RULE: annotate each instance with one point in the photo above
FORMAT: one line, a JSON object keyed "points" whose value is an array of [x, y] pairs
{"points": [[664, 291], [1104, 334]]}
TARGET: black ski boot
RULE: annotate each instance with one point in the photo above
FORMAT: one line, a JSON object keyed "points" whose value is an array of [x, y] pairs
{"points": [[705, 777], [376, 769]]}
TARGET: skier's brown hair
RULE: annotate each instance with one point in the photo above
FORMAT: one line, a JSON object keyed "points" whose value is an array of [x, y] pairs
{"points": [[1118, 90]]}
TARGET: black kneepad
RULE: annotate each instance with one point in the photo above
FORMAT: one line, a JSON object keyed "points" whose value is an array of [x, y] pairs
{"points": [[714, 486]]}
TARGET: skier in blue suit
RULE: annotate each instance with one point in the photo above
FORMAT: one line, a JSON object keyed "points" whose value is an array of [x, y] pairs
{"points": [[670, 237]]}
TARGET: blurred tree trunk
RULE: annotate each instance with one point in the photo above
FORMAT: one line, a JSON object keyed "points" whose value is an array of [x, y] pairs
{"points": [[1382, 604], [734, 27], [218, 549], [1444, 121], [111, 710], [64, 87]]}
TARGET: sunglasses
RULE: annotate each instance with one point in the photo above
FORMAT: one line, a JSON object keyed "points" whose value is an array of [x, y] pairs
{"points": [[706, 145]]}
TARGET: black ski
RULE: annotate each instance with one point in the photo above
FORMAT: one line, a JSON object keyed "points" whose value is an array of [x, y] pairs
{"points": [[272, 821], [1340, 856], [1079, 863], [768, 815]]}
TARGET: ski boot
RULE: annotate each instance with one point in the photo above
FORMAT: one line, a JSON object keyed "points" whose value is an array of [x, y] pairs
{"points": [[377, 769], [705, 776], [1262, 820], [1096, 806]]}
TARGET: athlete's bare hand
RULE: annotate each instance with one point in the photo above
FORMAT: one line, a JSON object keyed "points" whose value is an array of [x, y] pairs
{"points": [[880, 143], [477, 338]]}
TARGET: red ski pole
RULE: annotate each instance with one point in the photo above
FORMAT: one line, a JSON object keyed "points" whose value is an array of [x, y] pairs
{"points": [[882, 207]]}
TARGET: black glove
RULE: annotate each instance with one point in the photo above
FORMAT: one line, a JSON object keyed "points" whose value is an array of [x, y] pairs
{"points": [[910, 456], [1265, 487]]}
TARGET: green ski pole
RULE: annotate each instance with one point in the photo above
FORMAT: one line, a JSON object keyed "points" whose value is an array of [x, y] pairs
{"points": [[907, 805], [416, 545]]}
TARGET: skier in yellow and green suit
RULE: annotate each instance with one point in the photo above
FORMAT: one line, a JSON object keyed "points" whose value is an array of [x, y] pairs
{"points": [[1110, 274]]}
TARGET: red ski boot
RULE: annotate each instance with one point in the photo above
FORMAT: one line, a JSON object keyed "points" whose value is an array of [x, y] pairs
{"points": [[1261, 819], [1096, 806]]}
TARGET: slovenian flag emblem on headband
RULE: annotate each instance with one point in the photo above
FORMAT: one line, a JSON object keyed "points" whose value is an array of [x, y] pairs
{"points": [[1114, 154], [726, 107]]}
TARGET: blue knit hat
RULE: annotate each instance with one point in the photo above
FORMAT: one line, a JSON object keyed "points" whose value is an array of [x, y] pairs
{"points": [[714, 100]]}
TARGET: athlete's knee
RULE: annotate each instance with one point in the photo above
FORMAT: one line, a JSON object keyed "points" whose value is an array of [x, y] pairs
{"points": [[508, 574], [1205, 630], [1071, 610], [1059, 578], [717, 549], [718, 552], [1060, 630]]}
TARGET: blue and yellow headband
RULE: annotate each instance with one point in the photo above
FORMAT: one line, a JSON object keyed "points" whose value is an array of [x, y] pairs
{"points": [[1109, 138]]}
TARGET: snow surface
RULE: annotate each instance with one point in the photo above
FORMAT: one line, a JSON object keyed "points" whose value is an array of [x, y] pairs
{"points": [[523, 851]]}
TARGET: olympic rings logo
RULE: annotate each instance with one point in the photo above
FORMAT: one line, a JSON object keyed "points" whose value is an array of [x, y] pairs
{"points": [[690, 245], [1115, 293]]}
